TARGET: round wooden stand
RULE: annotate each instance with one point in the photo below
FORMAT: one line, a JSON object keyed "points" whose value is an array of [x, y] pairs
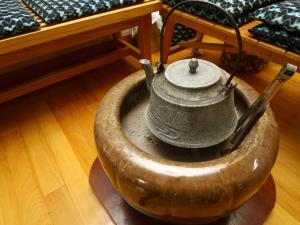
{"points": [[254, 212]]}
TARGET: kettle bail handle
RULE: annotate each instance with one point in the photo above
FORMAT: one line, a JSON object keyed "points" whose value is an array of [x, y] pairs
{"points": [[161, 67]]}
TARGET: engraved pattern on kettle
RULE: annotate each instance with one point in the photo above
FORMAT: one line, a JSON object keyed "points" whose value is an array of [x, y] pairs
{"points": [[163, 129]]}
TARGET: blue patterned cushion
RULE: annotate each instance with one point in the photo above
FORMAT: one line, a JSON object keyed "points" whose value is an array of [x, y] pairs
{"points": [[55, 11], [239, 9], [182, 33], [14, 19], [285, 14], [277, 36]]}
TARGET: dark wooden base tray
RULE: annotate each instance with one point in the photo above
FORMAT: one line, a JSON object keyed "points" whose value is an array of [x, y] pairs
{"points": [[254, 212]]}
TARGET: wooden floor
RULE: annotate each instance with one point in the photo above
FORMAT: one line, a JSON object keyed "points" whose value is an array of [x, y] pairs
{"points": [[47, 148]]}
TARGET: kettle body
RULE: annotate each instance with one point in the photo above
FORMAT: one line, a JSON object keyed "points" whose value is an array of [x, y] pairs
{"points": [[191, 109]]}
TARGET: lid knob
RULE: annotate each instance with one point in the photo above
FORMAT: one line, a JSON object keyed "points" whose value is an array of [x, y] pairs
{"points": [[193, 64]]}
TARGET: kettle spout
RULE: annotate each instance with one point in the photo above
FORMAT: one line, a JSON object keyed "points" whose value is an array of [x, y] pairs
{"points": [[148, 71]]}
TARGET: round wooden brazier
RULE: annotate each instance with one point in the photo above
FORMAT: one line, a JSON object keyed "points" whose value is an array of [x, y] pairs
{"points": [[176, 191]]}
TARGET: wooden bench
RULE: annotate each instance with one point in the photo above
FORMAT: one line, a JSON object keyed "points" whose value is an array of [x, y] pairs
{"points": [[227, 35], [50, 41]]}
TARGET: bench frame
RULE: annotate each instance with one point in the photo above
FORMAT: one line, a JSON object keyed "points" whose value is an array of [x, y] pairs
{"points": [[227, 35], [50, 41]]}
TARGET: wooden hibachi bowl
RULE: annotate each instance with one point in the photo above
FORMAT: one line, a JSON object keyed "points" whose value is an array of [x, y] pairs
{"points": [[182, 191]]}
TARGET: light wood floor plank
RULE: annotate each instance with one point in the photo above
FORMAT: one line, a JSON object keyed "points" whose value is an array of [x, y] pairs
{"points": [[39, 150], [73, 174], [76, 121], [279, 216], [8, 203], [62, 208], [31, 203]]}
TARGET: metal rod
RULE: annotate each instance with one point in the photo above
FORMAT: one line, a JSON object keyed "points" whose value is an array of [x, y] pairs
{"points": [[246, 127], [256, 110]]}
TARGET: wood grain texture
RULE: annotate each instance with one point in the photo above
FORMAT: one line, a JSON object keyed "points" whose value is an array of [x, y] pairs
{"points": [[35, 54], [8, 200], [59, 120], [30, 204], [167, 39], [144, 37], [62, 207]]}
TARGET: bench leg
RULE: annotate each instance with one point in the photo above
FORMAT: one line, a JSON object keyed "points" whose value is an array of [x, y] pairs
{"points": [[116, 37], [198, 51], [144, 37], [168, 39]]}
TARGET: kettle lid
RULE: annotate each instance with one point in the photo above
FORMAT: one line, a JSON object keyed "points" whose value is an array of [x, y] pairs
{"points": [[193, 73]]}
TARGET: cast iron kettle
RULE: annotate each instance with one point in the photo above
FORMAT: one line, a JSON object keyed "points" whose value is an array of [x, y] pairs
{"points": [[192, 100]]}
